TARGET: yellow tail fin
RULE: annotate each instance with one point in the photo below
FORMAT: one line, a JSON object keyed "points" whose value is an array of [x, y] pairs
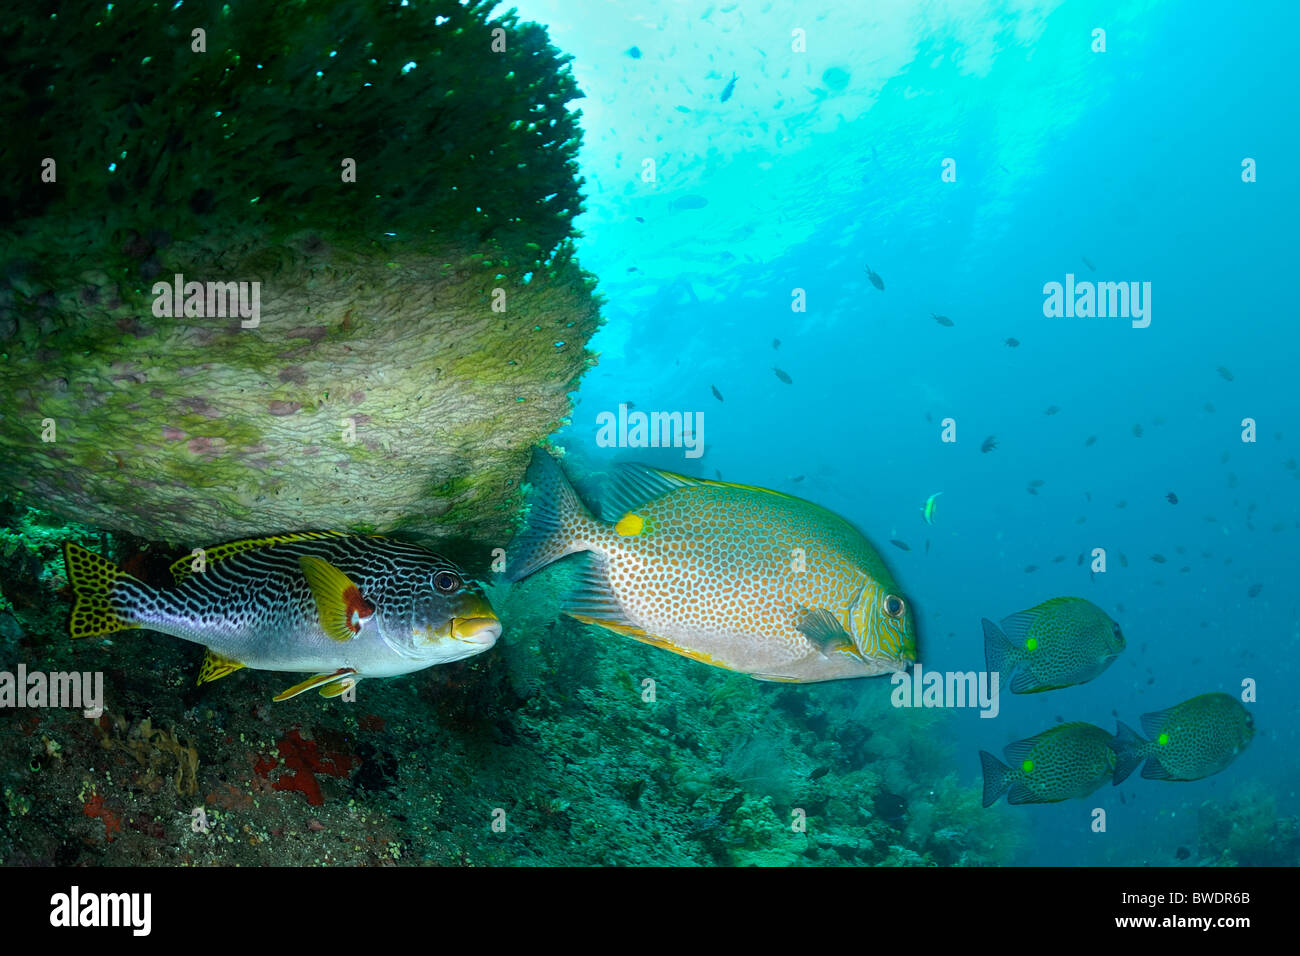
{"points": [[92, 578]]}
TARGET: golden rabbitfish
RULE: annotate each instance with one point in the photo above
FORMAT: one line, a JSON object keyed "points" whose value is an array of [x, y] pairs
{"points": [[1191, 740], [731, 575], [1069, 760], [1061, 642]]}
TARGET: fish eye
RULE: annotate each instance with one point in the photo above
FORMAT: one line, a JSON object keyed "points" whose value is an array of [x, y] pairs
{"points": [[894, 606], [445, 581]]}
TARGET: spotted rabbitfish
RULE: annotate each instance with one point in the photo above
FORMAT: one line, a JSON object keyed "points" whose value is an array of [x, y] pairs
{"points": [[1191, 740], [1061, 642], [731, 575], [1067, 761], [344, 606]]}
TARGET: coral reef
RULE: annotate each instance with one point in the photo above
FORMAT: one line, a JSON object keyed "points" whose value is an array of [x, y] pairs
{"points": [[419, 327]]}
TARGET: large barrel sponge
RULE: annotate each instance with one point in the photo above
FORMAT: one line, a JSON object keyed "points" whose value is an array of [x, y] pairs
{"points": [[420, 328]]}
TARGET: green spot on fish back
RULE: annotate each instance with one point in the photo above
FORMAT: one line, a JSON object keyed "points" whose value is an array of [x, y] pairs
{"points": [[1027, 766], [1032, 644], [1163, 740]]}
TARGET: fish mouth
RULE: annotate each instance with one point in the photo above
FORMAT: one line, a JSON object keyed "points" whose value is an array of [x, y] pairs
{"points": [[479, 631]]}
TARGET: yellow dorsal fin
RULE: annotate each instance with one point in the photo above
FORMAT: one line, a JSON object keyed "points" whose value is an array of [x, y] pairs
{"points": [[216, 667], [184, 567], [320, 680], [340, 607], [684, 480]]}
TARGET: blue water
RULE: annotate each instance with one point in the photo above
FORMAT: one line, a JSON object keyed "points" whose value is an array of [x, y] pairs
{"points": [[825, 161]]}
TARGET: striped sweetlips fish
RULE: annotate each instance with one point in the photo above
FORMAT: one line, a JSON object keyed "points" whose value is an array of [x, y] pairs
{"points": [[344, 606], [738, 577]]}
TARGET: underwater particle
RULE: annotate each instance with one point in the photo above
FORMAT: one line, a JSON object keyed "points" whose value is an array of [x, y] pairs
{"points": [[716, 393], [1171, 498], [1225, 374], [1064, 762], [783, 376], [837, 78], [1079, 563], [728, 89], [1011, 343], [1123, 503], [1087, 262], [989, 444], [901, 545], [1036, 483], [1092, 440], [1059, 559], [776, 343], [634, 52], [1254, 589], [1059, 643], [1032, 490], [878, 282], [1182, 852], [1137, 431], [688, 202], [1188, 741], [1030, 568], [1051, 410], [648, 589], [1209, 407], [1158, 558], [942, 320]]}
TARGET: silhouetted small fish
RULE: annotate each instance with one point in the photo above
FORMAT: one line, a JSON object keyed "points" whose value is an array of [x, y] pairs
{"points": [[942, 319], [1079, 563], [1032, 490], [632, 269], [1030, 568], [1087, 262], [634, 52], [1058, 559], [776, 343], [1137, 431], [782, 376], [1051, 410], [899, 544], [889, 806], [1171, 498], [716, 393], [1121, 504], [1254, 589], [1012, 343], [797, 478], [989, 444], [1092, 440], [1182, 852], [728, 89], [639, 219], [1036, 483], [629, 405], [878, 282], [927, 545], [1227, 375], [1158, 558], [819, 773], [717, 472]]}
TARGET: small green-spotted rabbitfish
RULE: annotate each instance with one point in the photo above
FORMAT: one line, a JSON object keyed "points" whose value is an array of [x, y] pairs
{"points": [[341, 605], [1070, 760], [1063, 641], [734, 576], [1191, 740]]}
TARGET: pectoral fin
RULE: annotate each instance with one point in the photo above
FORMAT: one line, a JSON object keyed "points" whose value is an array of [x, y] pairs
{"points": [[826, 632], [215, 667], [330, 685], [340, 607]]}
